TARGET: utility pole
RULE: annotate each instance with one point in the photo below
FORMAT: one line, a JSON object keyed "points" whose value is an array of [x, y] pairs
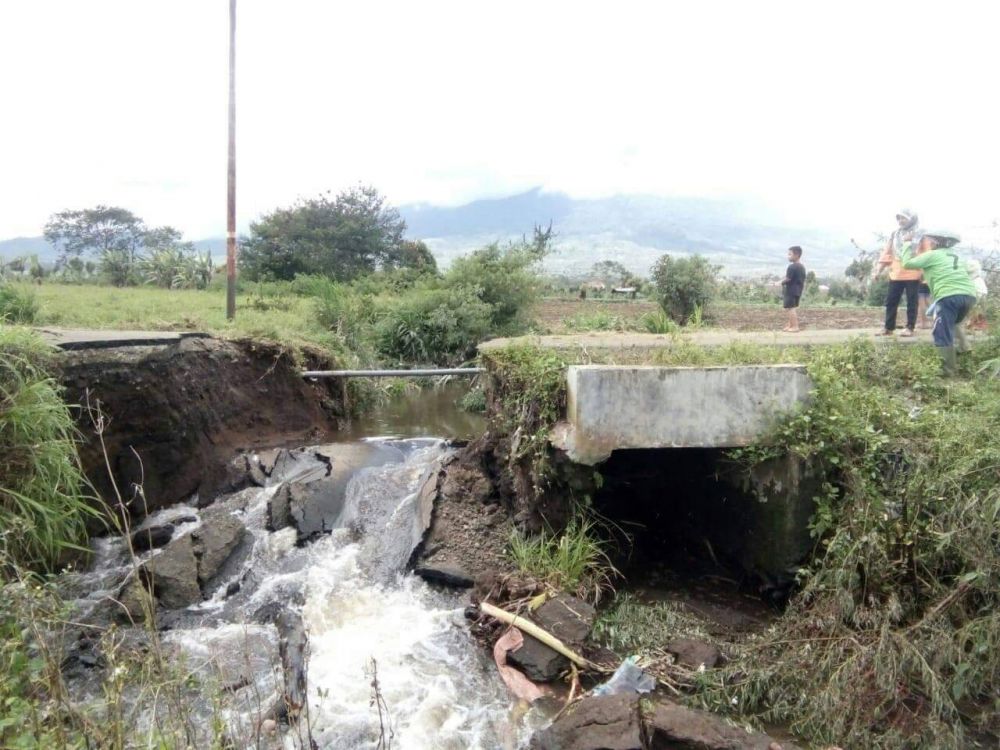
{"points": [[231, 207]]}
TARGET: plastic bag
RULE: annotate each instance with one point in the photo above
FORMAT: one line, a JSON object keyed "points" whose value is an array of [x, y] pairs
{"points": [[628, 678]]}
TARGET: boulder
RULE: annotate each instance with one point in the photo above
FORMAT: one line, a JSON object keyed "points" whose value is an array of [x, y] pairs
{"points": [[675, 727], [567, 618], [445, 575], [214, 541], [152, 537], [173, 574], [607, 722], [693, 654]]}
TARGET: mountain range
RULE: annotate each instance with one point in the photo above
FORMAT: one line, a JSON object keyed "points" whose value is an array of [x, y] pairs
{"points": [[633, 230]]}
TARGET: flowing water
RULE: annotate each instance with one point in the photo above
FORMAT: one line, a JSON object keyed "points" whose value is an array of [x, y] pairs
{"points": [[363, 614]]}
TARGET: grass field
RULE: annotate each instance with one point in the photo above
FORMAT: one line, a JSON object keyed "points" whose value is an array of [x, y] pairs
{"points": [[288, 320]]}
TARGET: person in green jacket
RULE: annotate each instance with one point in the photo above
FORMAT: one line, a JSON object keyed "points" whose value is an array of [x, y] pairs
{"points": [[951, 286]]}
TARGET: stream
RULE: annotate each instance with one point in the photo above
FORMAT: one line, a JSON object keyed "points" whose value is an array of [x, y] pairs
{"points": [[364, 615]]}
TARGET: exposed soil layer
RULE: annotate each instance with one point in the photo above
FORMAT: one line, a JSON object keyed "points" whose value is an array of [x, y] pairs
{"points": [[175, 415]]}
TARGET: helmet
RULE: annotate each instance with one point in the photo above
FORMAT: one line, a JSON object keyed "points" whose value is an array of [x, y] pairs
{"points": [[910, 216], [942, 237]]}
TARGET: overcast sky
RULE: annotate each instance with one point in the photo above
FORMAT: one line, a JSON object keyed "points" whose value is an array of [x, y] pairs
{"points": [[832, 113]]}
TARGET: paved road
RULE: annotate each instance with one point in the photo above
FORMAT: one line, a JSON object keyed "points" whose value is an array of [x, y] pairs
{"points": [[75, 338], [708, 337]]}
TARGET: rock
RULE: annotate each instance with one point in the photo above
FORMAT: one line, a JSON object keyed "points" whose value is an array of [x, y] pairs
{"points": [[133, 598], [242, 472], [692, 653], [567, 618], [445, 575], [607, 722], [152, 537], [173, 574], [312, 497], [538, 662], [671, 726], [214, 541]]}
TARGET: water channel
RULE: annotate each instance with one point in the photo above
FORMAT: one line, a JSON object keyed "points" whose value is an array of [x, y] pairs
{"points": [[364, 615]]}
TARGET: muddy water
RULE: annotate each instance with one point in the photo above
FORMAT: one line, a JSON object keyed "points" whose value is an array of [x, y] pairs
{"points": [[430, 411]]}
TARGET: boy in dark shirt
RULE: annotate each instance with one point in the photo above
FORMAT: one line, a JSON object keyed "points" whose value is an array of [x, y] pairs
{"points": [[793, 284]]}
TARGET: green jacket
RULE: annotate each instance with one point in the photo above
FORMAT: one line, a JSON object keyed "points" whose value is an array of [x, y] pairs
{"points": [[944, 271]]}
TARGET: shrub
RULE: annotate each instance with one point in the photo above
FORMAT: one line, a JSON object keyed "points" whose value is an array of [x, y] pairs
{"points": [[877, 292], [17, 304], [433, 325], [505, 278], [684, 285], [44, 504], [657, 322]]}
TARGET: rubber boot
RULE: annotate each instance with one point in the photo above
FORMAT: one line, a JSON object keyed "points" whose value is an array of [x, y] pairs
{"points": [[961, 340], [949, 361]]}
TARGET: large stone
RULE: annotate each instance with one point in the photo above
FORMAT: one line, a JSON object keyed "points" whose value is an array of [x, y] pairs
{"points": [[612, 407], [675, 727], [214, 541], [694, 654], [173, 574], [466, 483], [567, 618], [152, 537], [609, 722]]}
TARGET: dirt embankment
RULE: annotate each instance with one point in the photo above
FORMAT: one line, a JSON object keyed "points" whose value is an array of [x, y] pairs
{"points": [[176, 415]]}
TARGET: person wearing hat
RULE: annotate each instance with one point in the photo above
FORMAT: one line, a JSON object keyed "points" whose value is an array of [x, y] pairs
{"points": [[901, 280], [952, 288]]}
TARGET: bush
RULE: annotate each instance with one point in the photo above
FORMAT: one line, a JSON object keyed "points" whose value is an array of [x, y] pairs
{"points": [[17, 304], [442, 326], [684, 285], [44, 504], [846, 291], [505, 278], [877, 292]]}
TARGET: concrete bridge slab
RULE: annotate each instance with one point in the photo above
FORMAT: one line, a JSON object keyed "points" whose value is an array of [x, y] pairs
{"points": [[614, 407]]}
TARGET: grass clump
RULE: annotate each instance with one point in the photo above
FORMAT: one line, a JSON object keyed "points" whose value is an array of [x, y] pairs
{"points": [[573, 560], [631, 626], [44, 501], [18, 304]]}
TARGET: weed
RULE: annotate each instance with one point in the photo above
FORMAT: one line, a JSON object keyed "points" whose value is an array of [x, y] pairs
{"points": [[574, 560], [18, 304]]}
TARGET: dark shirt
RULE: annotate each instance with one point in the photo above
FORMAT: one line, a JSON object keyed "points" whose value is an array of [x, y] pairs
{"points": [[795, 278]]}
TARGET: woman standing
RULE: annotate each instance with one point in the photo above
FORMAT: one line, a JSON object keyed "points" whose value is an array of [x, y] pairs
{"points": [[901, 280]]}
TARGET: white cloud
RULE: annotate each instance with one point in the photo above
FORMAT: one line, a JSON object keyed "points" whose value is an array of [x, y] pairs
{"points": [[833, 113]]}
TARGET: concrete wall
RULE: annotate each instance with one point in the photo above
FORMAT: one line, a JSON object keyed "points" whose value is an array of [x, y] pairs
{"points": [[614, 407]]}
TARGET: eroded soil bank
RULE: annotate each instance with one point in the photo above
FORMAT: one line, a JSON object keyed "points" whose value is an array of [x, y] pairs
{"points": [[173, 416]]}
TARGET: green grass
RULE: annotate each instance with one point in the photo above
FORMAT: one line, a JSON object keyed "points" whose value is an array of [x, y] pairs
{"points": [[44, 500], [573, 560], [288, 319]]}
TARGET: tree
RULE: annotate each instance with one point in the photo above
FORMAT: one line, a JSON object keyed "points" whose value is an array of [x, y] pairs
{"points": [[113, 234], [354, 233], [611, 271], [416, 255], [505, 277], [684, 285]]}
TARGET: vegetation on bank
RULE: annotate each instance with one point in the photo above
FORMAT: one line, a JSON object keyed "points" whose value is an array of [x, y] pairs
{"points": [[892, 638], [44, 502]]}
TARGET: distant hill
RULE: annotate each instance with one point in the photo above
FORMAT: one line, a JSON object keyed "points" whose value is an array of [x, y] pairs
{"points": [[22, 246], [632, 229]]}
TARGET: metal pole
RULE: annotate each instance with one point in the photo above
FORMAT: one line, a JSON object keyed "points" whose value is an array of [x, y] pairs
{"points": [[231, 207], [392, 373]]}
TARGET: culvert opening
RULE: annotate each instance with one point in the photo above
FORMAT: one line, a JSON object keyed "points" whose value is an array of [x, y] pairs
{"points": [[689, 523]]}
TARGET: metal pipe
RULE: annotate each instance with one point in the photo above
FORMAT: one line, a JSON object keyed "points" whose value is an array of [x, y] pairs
{"points": [[392, 373]]}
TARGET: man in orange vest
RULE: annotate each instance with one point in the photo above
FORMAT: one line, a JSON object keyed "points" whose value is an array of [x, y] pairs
{"points": [[901, 280]]}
